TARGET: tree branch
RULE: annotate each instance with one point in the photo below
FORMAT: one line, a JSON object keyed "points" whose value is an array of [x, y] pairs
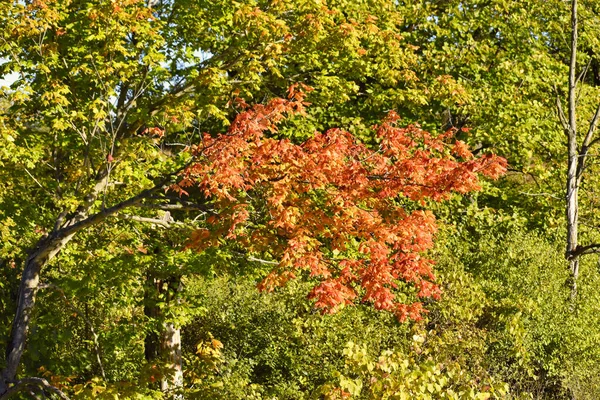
{"points": [[165, 223], [561, 113], [260, 260], [584, 71], [587, 143], [255, 259], [542, 194], [581, 250], [132, 201], [181, 206], [26, 383]]}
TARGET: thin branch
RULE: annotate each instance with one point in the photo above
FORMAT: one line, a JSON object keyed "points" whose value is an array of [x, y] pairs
{"points": [[542, 194], [260, 260], [592, 128], [581, 250], [36, 181], [587, 143], [81, 133], [561, 113], [584, 71], [26, 383], [581, 78], [165, 223], [593, 142], [182, 206], [255, 259], [59, 220]]}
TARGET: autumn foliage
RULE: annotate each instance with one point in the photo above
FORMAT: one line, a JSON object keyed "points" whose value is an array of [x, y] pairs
{"points": [[350, 216]]}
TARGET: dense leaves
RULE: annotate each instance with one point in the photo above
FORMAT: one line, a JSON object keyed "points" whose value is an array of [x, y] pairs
{"points": [[137, 105], [332, 206]]}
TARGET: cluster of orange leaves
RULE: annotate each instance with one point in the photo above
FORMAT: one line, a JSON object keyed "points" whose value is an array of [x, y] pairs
{"points": [[332, 206]]}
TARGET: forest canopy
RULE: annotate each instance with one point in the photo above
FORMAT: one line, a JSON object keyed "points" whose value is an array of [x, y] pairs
{"points": [[299, 199]]}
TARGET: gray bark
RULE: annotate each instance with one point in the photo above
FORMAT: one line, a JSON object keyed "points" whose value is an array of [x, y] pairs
{"points": [[46, 250], [572, 207], [166, 345], [171, 349]]}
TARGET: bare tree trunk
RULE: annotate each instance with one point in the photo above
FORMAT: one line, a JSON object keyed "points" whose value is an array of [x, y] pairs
{"points": [[171, 349], [572, 206], [577, 157]]}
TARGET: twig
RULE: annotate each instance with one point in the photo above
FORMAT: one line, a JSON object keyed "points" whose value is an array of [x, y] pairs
{"points": [[561, 113], [542, 194], [165, 223]]}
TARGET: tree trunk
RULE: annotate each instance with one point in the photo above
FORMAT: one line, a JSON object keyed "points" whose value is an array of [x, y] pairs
{"points": [[165, 346], [45, 251], [171, 353], [572, 206], [572, 211]]}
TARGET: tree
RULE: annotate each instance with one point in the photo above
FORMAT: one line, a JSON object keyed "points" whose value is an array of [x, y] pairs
{"points": [[100, 82], [327, 190], [577, 155], [331, 206], [109, 93]]}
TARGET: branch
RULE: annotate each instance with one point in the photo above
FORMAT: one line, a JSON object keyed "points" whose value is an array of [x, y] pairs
{"points": [[542, 194], [572, 72], [107, 212], [88, 202], [182, 206], [584, 71], [132, 201], [59, 220], [260, 260], [587, 143], [582, 250], [255, 259], [165, 223], [26, 383], [561, 113], [592, 128]]}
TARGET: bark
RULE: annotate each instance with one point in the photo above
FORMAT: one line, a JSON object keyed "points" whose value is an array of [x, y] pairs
{"points": [[152, 313], [171, 353], [572, 206], [166, 345], [577, 157]]}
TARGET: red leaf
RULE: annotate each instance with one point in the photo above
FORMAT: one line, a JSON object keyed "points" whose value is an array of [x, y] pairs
{"points": [[327, 207]]}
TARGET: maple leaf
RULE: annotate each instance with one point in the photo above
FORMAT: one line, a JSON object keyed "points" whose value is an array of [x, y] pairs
{"points": [[329, 204]]}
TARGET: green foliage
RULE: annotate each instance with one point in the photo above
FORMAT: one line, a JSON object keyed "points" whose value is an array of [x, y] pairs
{"points": [[277, 343], [397, 376], [119, 87], [537, 338]]}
